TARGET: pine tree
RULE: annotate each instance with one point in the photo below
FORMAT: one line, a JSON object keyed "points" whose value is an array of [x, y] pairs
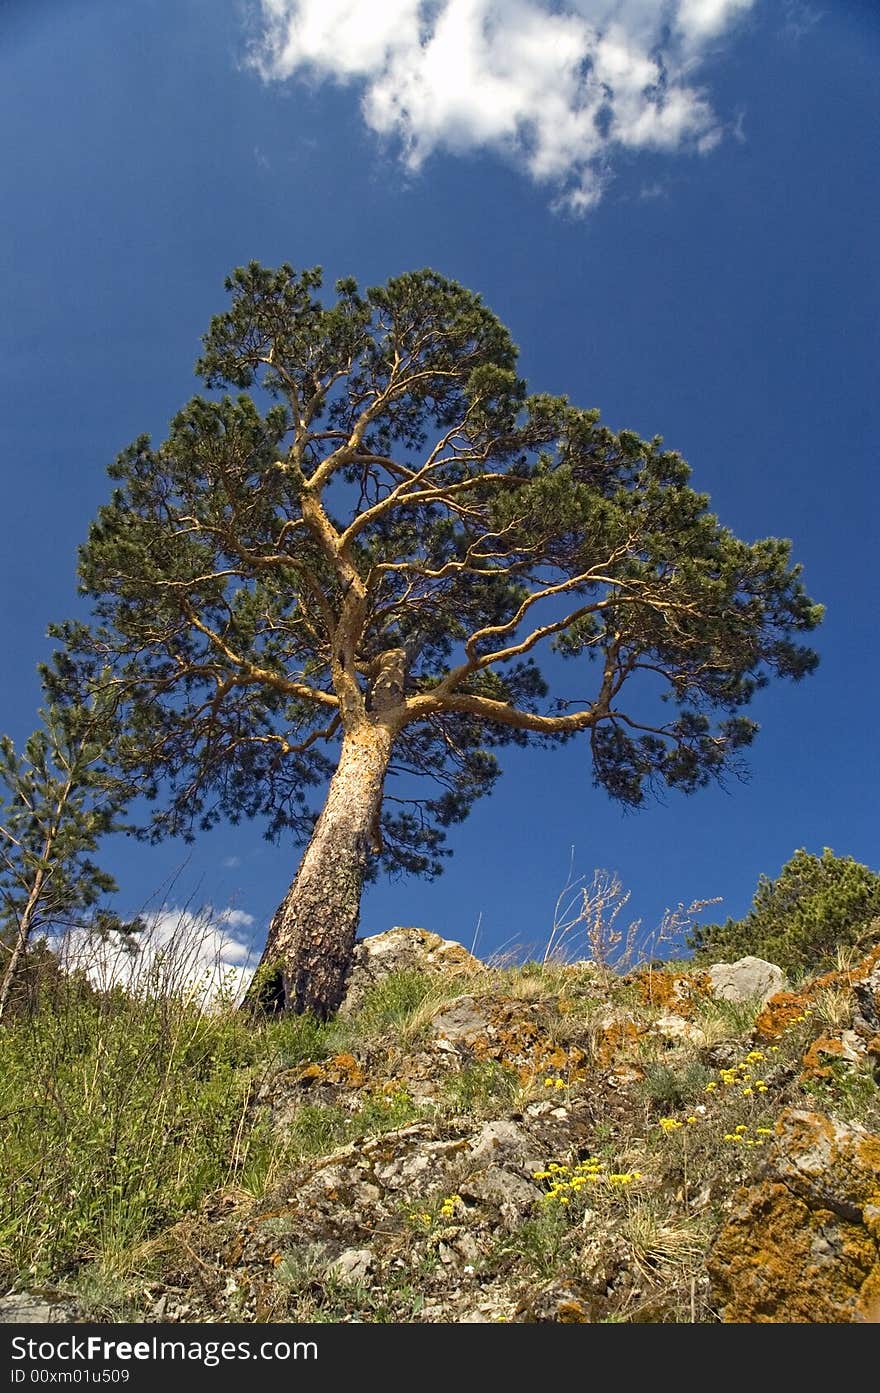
{"points": [[343, 572], [815, 905], [57, 800]]}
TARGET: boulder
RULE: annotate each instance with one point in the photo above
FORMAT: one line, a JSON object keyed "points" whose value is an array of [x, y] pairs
{"points": [[462, 1021], [353, 1265], [403, 949], [748, 979], [802, 1245], [30, 1308]]}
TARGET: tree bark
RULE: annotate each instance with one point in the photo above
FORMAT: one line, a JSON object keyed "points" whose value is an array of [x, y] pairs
{"points": [[311, 938], [22, 935]]}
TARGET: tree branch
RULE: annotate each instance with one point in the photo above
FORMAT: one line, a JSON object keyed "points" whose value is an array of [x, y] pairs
{"points": [[498, 712]]}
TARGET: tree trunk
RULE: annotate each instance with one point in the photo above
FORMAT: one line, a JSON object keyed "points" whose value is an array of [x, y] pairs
{"points": [[22, 936], [311, 938]]}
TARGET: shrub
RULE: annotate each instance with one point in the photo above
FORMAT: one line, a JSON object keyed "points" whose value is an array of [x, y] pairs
{"points": [[665, 1087], [816, 905]]}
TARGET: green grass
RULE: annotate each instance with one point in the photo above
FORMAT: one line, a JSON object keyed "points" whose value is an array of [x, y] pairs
{"points": [[542, 1243], [300, 1039], [318, 1128], [667, 1088], [849, 1091], [482, 1087], [120, 1115], [393, 1000]]}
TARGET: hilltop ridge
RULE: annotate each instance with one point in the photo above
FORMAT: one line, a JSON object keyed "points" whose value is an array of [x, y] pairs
{"points": [[543, 1142]]}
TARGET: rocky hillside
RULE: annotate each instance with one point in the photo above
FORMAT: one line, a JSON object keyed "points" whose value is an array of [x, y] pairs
{"points": [[548, 1143]]}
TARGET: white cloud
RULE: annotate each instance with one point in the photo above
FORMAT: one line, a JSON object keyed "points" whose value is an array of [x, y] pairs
{"points": [[556, 88], [205, 955], [700, 20]]}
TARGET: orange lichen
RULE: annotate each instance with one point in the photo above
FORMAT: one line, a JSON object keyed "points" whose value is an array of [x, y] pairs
{"points": [[572, 1313], [341, 1069], [783, 1009], [519, 1035], [616, 1038], [344, 1068], [779, 1013], [801, 1245], [673, 991], [819, 1058], [778, 1261]]}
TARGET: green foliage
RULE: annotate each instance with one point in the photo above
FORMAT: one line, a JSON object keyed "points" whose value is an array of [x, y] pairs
{"points": [[542, 1242], [668, 1088], [403, 497], [57, 800], [296, 1039], [720, 1019], [393, 1000], [119, 1115], [317, 1128], [849, 1091], [482, 1087], [39, 978], [816, 905]]}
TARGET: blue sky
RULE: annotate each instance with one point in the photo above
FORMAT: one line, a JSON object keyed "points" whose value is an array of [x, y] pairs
{"points": [[704, 268]]}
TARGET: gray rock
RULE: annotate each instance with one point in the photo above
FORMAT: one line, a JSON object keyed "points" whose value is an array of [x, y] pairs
{"points": [[403, 949], [461, 1021], [674, 1027], [26, 1308], [353, 1265], [510, 1192], [501, 1162], [504, 1143], [866, 1018], [748, 979]]}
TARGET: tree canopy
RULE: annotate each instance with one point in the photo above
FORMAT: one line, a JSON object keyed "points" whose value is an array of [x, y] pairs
{"points": [[57, 800], [816, 905], [370, 524]]}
